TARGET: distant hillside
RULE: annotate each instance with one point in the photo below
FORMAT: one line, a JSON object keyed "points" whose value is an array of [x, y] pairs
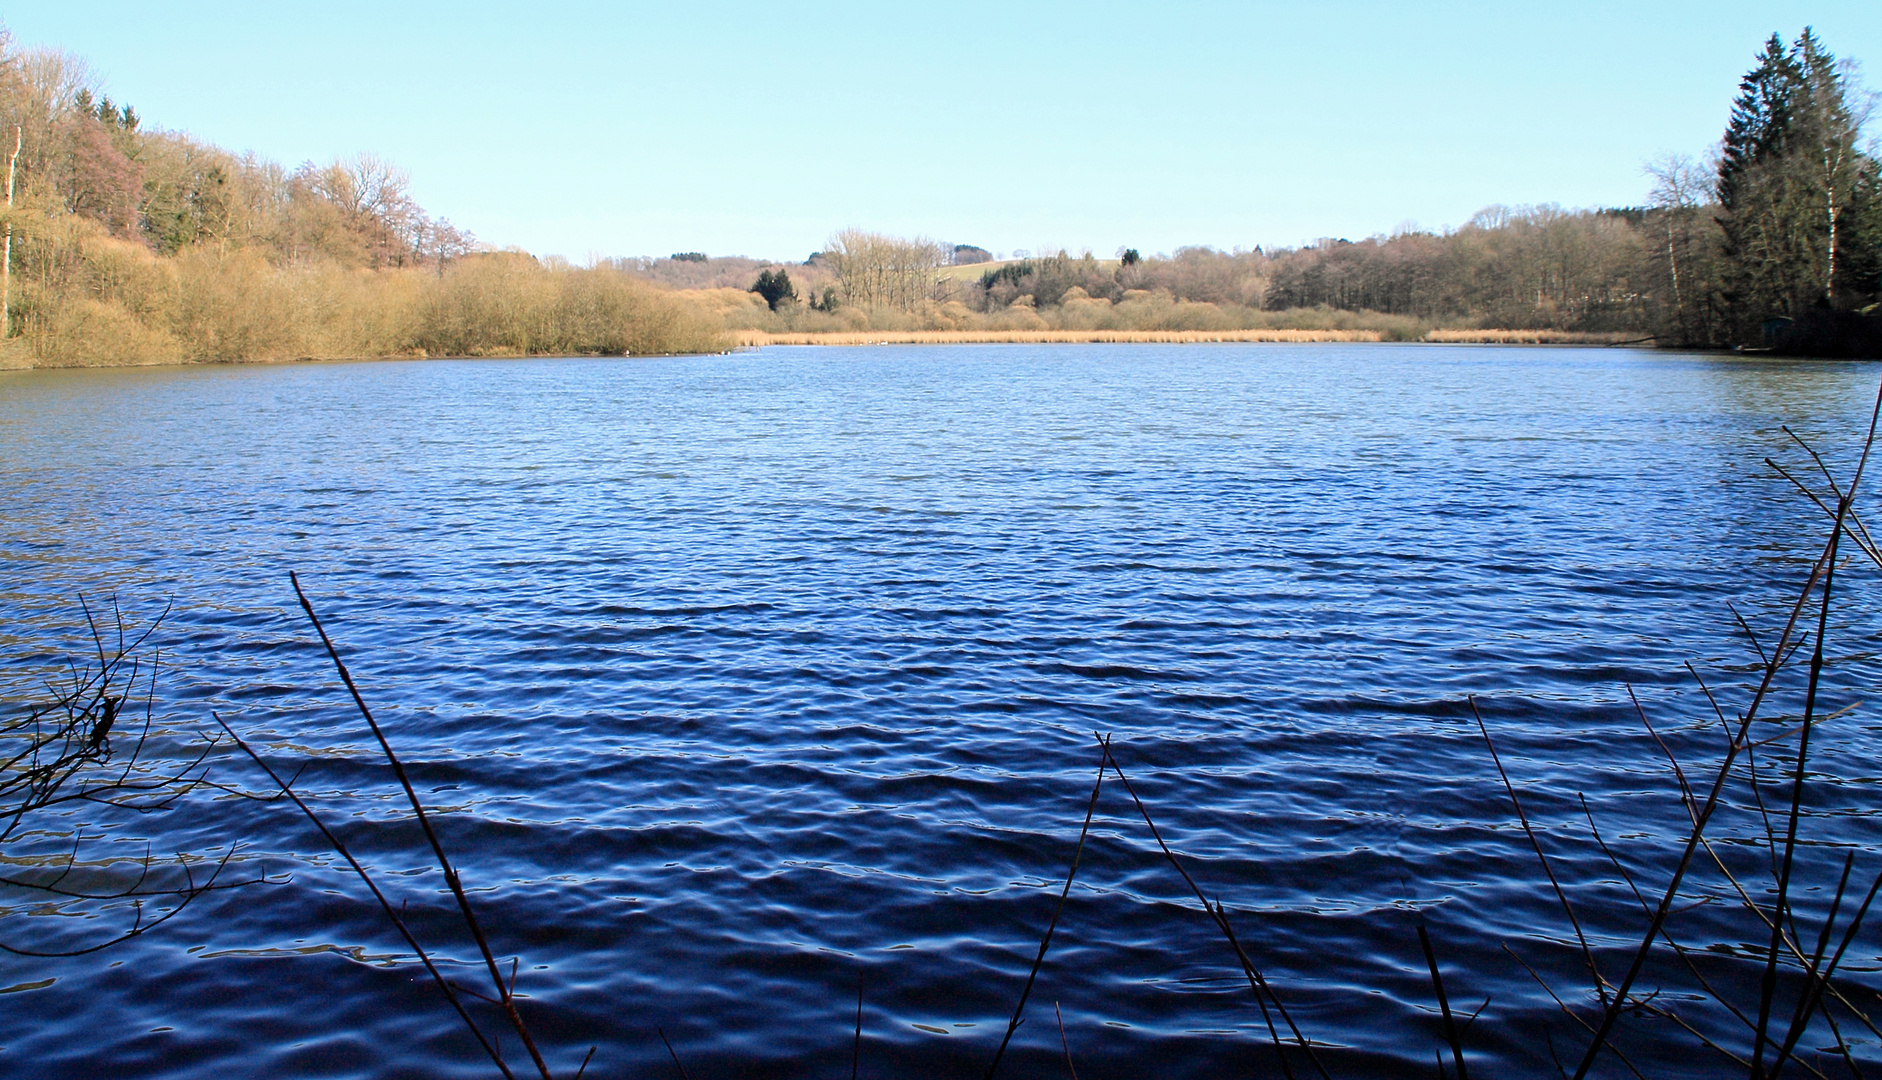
{"points": [[132, 243]]}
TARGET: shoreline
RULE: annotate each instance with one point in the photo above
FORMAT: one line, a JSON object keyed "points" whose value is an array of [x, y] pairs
{"points": [[757, 339], [761, 338]]}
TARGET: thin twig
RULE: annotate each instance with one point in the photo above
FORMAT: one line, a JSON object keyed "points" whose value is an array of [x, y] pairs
{"points": [[138, 926], [1864, 541], [1768, 988], [1587, 953], [1679, 774], [1045, 943], [1256, 984], [1444, 1004], [1842, 1044], [675, 1056], [1678, 949], [1752, 637], [437, 848], [1798, 1018], [1854, 528], [1570, 1013], [1669, 1014], [1822, 981], [1257, 980], [1613, 1011], [386, 905], [1063, 1041]]}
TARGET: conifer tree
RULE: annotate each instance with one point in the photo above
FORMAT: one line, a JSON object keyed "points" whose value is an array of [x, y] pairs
{"points": [[775, 287], [1793, 188], [1751, 192], [1824, 145]]}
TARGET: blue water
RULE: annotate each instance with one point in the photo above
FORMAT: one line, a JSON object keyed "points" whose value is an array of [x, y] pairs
{"points": [[735, 680]]}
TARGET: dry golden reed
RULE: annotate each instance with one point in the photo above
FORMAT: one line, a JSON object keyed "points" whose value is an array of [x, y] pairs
{"points": [[97, 300], [759, 338], [1528, 337]]}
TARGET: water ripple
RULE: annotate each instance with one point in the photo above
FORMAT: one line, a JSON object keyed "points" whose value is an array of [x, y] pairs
{"points": [[733, 679]]}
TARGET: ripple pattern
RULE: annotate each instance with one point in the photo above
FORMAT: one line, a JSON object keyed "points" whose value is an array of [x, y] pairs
{"points": [[734, 680]]}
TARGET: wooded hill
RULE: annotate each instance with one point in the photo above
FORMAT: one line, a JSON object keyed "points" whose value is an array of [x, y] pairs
{"points": [[1776, 243], [130, 244], [135, 244]]}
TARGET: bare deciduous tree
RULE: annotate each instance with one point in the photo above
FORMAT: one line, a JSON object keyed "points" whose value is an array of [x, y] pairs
{"points": [[878, 271]]}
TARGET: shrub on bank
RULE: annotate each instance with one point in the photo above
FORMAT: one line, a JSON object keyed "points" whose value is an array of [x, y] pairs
{"points": [[1140, 310], [92, 299]]}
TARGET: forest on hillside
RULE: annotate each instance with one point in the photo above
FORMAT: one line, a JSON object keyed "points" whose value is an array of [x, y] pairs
{"points": [[1785, 226], [130, 243], [1776, 242]]}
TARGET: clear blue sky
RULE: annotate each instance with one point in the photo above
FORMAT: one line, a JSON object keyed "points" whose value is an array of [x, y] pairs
{"points": [[759, 128]]}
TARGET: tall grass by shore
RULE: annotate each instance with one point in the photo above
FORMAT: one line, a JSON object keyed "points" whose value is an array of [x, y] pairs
{"points": [[91, 299], [760, 338], [1139, 311], [1142, 316]]}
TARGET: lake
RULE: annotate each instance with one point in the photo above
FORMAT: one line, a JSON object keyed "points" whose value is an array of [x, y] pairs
{"points": [[737, 680]]}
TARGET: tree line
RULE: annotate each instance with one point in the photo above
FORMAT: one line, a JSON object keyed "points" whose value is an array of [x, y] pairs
{"points": [[131, 243], [1777, 242], [134, 244], [85, 155]]}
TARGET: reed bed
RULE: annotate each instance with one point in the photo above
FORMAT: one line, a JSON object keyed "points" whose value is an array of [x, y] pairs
{"points": [[1532, 337], [758, 339]]}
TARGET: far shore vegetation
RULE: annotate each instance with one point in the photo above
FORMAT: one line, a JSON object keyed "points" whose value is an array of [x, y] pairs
{"points": [[132, 244]]}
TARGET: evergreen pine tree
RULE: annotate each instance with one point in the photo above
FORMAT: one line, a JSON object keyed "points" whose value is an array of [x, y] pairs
{"points": [[1830, 165], [775, 287], [1760, 117], [1794, 191], [1751, 192]]}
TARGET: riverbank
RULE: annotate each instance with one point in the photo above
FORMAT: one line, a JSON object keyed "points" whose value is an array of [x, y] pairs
{"points": [[760, 338], [15, 357]]}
